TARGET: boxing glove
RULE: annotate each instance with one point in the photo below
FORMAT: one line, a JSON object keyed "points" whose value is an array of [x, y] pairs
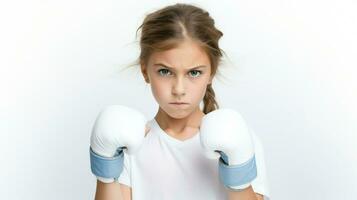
{"points": [[224, 135], [117, 128]]}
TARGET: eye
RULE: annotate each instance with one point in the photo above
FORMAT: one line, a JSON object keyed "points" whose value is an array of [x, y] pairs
{"points": [[163, 70], [196, 72]]}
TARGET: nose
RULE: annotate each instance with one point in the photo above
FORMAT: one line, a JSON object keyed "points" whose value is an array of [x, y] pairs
{"points": [[178, 88]]}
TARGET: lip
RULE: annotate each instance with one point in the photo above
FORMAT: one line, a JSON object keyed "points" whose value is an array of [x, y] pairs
{"points": [[178, 103]]}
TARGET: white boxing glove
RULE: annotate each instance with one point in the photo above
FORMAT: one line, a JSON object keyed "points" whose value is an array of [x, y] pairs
{"points": [[116, 128], [224, 134]]}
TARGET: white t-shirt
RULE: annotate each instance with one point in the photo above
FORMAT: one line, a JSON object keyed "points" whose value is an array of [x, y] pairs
{"points": [[167, 168]]}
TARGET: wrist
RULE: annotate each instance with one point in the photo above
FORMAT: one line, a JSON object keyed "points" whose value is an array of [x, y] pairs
{"points": [[237, 177]]}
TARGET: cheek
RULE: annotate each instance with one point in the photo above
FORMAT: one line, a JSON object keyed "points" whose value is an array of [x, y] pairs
{"points": [[200, 87], [159, 91], [200, 93]]}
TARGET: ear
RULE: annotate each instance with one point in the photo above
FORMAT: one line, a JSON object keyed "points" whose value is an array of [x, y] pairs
{"points": [[144, 72]]}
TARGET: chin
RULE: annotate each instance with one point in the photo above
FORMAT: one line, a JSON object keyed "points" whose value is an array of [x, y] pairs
{"points": [[178, 114]]}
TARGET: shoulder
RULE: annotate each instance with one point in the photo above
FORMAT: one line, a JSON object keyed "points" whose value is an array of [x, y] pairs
{"points": [[260, 184], [258, 149], [258, 145]]}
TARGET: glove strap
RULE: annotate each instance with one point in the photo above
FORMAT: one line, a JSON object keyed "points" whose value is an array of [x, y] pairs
{"points": [[107, 167], [236, 175]]}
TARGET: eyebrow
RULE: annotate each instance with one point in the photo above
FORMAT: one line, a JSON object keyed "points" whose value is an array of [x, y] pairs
{"points": [[163, 65]]}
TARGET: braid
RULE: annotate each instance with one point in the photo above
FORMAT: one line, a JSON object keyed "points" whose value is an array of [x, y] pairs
{"points": [[209, 101]]}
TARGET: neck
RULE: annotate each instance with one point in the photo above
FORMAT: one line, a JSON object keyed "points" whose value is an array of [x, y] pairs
{"points": [[192, 121]]}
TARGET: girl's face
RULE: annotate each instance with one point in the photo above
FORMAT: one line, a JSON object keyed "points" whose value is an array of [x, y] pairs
{"points": [[179, 75]]}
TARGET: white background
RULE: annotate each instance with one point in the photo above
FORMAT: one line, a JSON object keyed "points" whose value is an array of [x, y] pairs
{"points": [[291, 71]]}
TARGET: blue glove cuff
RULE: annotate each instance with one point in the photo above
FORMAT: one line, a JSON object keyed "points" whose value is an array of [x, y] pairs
{"points": [[235, 175], [107, 167]]}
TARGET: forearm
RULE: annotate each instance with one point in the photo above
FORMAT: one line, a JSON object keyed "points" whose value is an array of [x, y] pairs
{"points": [[246, 194], [108, 191]]}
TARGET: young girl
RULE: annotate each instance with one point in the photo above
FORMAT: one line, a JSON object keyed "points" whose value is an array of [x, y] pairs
{"points": [[179, 58]]}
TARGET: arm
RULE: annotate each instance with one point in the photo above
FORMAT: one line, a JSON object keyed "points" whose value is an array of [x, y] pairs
{"points": [[246, 194], [237, 163], [108, 191], [112, 191], [259, 196], [108, 139]]}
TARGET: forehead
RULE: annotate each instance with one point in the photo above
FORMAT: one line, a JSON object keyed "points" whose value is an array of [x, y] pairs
{"points": [[186, 55]]}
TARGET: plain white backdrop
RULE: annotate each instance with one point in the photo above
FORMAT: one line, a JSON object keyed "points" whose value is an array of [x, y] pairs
{"points": [[291, 72]]}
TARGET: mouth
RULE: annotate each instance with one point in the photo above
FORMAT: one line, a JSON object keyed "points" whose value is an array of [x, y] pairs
{"points": [[178, 103]]}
